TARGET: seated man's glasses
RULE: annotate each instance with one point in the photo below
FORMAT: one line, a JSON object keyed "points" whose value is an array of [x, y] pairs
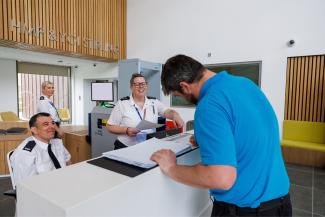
{"points": [[143, 84]]}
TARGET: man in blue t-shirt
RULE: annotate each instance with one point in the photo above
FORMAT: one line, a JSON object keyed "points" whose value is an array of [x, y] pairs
{"points": [[238, 135]]}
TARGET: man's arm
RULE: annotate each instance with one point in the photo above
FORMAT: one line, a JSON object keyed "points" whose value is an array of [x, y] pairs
{"points": [[173, 115], [200, 176], [67, 156], [23, 164], [59, 131]]}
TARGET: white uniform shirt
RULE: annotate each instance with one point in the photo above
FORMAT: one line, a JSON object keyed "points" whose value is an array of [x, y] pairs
{"points": [[37, 160], [46, 105], [125, 113]]}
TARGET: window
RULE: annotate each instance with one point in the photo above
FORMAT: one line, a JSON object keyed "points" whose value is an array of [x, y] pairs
{"points": [[250, 70], [30, 78]]}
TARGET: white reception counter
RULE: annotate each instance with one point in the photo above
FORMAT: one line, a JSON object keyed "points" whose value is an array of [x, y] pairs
{"points": [[84, 189]]}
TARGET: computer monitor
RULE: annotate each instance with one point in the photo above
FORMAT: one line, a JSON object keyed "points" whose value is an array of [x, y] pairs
{"points": [[102, 91]]}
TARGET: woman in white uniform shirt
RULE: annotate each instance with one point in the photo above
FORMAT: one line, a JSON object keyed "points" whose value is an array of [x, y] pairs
{"points": [[130, 110], [46, 105]]}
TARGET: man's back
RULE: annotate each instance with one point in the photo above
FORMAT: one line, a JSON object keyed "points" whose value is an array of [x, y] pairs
{"points": [[236, 125]]}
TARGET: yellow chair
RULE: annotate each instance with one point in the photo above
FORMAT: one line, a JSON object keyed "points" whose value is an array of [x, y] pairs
{"points": [[9, 116], [64, 114], [304, 143]]}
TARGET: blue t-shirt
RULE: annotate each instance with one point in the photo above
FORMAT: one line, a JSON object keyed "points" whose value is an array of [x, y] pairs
{"points": [[235, 125]]}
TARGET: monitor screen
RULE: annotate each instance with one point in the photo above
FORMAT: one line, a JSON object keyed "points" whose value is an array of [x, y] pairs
{"points": [[102, 91]]}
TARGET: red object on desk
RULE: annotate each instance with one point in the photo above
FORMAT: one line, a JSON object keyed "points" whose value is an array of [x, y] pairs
{"points": [[171, 125]]}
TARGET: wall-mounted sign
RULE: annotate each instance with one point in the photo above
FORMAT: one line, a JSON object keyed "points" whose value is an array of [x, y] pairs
{"points": [[62, 37], [90, 29]]}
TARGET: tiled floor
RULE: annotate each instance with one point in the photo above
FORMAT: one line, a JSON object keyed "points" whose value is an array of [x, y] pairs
{"points": [[307, 192], [7, 204]]}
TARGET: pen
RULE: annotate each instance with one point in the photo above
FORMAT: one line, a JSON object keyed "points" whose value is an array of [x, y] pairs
{"points": [[153, 109]]}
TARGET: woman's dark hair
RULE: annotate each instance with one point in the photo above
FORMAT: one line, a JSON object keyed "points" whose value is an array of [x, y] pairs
{"points": [[180, 68], [135, 75]]}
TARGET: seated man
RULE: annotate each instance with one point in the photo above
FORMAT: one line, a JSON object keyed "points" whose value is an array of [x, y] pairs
{"points": [[40, 152]]}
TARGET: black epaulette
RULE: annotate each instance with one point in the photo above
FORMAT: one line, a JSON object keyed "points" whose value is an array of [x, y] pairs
{"points": [[125, 98], [41, 98], [29, 146], [151, 97]]}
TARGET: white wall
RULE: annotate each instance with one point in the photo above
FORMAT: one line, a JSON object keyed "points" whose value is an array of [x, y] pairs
{"points": [[8, 86], [233, 31], [79, 75]]}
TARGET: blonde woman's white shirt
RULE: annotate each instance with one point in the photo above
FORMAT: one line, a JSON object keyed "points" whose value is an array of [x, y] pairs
{"points": [[44, 104]]}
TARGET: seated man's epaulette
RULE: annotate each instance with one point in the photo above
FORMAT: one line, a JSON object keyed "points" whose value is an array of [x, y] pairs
{"points": [[151, 97], [125, 98], [29, 146], [41, 98]]}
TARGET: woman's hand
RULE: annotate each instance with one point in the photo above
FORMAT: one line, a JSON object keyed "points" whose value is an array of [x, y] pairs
{"points": [[130, 131]]}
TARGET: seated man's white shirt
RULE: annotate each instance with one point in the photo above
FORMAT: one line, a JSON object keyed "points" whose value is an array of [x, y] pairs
{"points": [[125, 113], [33, 162]]}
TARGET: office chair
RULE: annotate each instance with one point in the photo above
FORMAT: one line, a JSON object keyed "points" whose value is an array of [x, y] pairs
{"points": [[9, 116], [64, 114], [11, 192]]}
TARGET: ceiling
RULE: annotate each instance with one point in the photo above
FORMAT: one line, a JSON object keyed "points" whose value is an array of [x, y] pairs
{"points": [[35, 57]]}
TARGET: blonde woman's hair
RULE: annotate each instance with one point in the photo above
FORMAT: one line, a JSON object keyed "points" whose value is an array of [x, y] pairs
{"points": [[45, 83]]}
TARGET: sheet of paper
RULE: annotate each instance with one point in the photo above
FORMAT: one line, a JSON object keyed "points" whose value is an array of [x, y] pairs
{"points": [[144, 125], [179, 138], [140, 153]]}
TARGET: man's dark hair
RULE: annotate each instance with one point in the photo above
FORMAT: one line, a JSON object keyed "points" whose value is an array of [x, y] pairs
{"points": [[135, 75], [180, 68], [33, 119]]}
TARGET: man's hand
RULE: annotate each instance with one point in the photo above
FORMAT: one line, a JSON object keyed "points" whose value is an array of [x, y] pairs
{"points": [[178, 121], [130, 131], [173, 115], [192, 141], [59, 131], [165, 158]]}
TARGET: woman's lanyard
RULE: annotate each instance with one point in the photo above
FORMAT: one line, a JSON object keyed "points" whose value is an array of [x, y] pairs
{"points": [[144, 115]]}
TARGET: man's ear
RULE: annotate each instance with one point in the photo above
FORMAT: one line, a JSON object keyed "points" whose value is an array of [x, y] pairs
{"points": [[34, 130], [186, 88]]}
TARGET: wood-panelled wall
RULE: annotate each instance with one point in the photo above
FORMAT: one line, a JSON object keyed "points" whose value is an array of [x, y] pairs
{"points": [[305, 89], [94, 29]]}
